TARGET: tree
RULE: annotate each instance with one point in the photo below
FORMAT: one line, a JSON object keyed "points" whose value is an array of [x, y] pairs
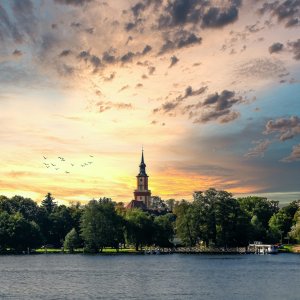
{"points": [[295, 230], [164, 230], [259, 211], [187, 223], [5, 228], [139, 228], [71, 240], [48, 203], [101, 226], [281, 222]]}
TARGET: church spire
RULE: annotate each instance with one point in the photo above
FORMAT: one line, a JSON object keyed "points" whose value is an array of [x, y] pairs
{"points": [[142, 166]]}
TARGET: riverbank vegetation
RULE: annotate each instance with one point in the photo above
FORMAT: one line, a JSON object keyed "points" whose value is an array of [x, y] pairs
{"points": [[213, 219]]}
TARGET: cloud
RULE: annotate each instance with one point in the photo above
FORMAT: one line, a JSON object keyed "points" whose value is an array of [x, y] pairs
{"points": [[94, 60], [275, 48], [17, 53], [216, 17], [172, 105], [73, 2], [147, 49], [151, 70], [286, 128], [295, 46], [218, 107], [127, 57], [65, 52], [24, 16], [104, 106], [261, 68], [198, 12], [287, 10], [294, 156], [125, 87], [259, 150], [110, 77], [108, 58], [174, 61], [180, 40], [7, 28]]}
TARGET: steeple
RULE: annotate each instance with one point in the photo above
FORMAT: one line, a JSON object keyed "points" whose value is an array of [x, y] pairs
{"points": [[142, 166]]}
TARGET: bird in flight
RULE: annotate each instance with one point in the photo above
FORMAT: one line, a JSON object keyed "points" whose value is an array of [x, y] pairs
{"points": [[67, 172], [45, 157], [91, 156]]}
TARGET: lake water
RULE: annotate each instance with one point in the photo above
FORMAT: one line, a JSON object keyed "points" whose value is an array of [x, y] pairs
{"points": [[159, 277]]}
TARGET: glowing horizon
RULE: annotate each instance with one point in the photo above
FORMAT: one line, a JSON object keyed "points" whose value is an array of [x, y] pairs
{"points": [[211, 91]]}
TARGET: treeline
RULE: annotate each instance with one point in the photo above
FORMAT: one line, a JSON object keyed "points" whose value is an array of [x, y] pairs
{"points": [[213, 218]]}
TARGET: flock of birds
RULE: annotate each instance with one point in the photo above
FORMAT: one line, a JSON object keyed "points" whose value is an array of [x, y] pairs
{"points": [[60, 165]]}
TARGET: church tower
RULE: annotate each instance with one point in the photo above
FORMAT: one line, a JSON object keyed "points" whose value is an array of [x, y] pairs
{"points": [[142, 193]]}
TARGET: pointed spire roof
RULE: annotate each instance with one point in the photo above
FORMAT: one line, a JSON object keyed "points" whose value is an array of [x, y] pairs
{"points": [[142, 166]]}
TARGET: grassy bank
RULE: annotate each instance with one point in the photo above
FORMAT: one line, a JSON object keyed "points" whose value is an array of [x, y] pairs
{"points": [[290, 249], [81, 250]]}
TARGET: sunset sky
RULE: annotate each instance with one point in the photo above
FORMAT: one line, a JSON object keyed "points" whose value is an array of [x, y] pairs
{"points": [[210, 89]]}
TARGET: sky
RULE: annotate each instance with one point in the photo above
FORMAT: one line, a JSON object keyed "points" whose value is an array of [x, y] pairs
{"points": [[209, 88]]}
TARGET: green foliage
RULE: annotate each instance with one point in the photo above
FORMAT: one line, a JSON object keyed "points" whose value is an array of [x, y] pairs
{"points": [[101, 226], [139, 228], [18, 233], [48, 203], [281, 222], [295, 230], [72, 240], [214, 218], [164, 230]]}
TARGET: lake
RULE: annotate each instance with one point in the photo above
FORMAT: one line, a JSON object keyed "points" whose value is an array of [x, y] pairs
{"points": [[177, 276]]}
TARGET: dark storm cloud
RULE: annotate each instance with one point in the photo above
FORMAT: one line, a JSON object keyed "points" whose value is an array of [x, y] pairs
{"points": [[284, 11], [295, 46], [141, 6], [94, 60], [65, 52], [180, 40], [215, 17], [73, 2], [108, 57], [106, 105], [222, 116], [174, 61], [203, 13], [172, 105], [147, 49], [127, 57], [218, 107], [286, 128], [275, 48]]}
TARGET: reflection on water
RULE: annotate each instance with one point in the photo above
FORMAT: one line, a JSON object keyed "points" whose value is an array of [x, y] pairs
{"points": [[150, 277]]}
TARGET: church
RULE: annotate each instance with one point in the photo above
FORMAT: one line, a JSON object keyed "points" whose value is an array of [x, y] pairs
{"points": [[142, 195]]}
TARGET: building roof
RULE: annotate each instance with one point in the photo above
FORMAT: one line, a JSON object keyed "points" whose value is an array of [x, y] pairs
{"points": [[142, 166], [136, 204]]}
